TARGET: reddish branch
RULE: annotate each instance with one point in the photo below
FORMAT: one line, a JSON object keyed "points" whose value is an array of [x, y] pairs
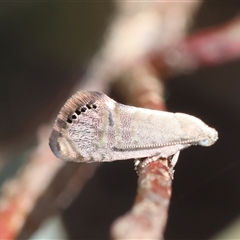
{"points": [[65, 185], [148, 217], [205, 48], [19, 194], [141, 87], [39, 190]]}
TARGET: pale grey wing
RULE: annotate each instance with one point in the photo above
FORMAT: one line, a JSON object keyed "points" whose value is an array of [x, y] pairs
{"points": [[140, 133], [144, 128], [144, 132], [93, 127]]}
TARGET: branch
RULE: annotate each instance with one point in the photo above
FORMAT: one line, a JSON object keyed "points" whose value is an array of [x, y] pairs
{"points": [[133, 33], [209, 47], [147, 219], [19, 194]]}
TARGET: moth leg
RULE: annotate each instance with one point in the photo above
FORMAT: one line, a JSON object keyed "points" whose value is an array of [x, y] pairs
{"points": [[143, 162], [175, 159]]}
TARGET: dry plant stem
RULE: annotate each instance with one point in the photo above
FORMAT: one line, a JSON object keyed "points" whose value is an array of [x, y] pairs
{"points": [[42, 187], [19, 194], [133, 33], [209, 47], [141, 87], [64, 187], [147, 218]]}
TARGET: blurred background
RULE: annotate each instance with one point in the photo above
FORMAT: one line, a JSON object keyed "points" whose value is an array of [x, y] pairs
{"points": [[48, 50]]}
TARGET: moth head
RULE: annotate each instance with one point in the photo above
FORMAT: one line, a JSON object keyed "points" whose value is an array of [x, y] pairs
{"points": [[211, 136], [194, 128]]}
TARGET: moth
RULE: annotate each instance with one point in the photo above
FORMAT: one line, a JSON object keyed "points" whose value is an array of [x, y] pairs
{"points": [[91, 127]]}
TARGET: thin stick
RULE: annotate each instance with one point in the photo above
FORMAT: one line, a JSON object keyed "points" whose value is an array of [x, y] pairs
{"points": [[207, 47], [147, 219]]}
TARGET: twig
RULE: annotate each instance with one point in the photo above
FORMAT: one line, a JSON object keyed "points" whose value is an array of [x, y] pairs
{"points": [[148, 217], [141, 87], [19, 194], [63, 189], [133, 34], [209, 47]]}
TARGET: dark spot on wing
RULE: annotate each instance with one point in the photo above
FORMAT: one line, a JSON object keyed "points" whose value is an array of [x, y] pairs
{"points": [[83, 109], [110, 118], [69, 120], [77, 112], [53, 141]]}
